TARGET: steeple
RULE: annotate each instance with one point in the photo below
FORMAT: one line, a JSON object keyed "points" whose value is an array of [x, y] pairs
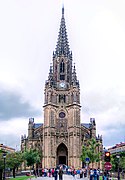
{"points": [[62, 47], [50, 77], [61, 70], [75, 82], [50, 73]]}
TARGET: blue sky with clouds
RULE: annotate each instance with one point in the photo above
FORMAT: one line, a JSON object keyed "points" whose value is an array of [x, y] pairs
{"points": [[28, 36]]}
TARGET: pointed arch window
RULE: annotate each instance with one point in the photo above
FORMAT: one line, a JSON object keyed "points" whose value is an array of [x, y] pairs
{"points": [[62, 67], [62, 98], [52, 118], [62, 77]]}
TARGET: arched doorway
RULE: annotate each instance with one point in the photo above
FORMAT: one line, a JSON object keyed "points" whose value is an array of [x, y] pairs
{"points": [[62, 154]]}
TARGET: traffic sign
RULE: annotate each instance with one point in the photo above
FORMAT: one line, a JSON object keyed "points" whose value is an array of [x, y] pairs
{"points": [[87, 159], [108, 165]]}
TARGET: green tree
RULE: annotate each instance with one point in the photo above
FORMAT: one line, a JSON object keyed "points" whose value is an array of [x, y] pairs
{"points": [[118, 161], [1, 164], [84, 153], [122, 163], [31, 156], [90, 151], [13, 161]]}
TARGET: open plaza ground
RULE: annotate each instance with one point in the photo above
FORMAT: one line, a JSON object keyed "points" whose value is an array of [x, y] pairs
{"points": [[65, 177]]}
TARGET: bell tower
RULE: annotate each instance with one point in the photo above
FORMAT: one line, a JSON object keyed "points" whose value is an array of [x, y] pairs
{"points": [[62, 126]]}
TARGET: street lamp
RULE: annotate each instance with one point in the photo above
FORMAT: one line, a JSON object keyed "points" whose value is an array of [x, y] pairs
{"points": [[4, 158], [118, 157]]}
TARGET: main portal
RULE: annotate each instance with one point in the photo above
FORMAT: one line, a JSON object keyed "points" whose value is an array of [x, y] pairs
{"points": [[62, 154]]}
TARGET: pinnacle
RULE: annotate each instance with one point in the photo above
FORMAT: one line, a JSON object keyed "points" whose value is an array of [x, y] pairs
{"points": [[62, 47]]}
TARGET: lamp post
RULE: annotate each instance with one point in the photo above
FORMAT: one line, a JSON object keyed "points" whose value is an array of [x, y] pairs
{"points": [[118, 157], [4, 158]]}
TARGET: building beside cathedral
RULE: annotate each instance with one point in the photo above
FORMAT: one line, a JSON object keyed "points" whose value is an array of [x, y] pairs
{"points": [[61, 136]]}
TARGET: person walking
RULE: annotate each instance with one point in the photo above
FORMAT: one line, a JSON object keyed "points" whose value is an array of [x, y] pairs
{"points": [[91, 174], [34, 173], [60, 174], [105, 176], [55, 174], [78, 173], [98, 173], [73, 173], [52, 172]]}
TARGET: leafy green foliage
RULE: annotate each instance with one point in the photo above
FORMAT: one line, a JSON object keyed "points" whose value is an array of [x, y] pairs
{"points": [[1, 158], [90, 151], [122, 162], [118, 161], [114, 162], [84, 153], [14, 160], [31, 156], [1, 161]]}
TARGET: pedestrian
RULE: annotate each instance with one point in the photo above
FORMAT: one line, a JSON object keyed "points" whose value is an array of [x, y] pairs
{"points": [[55, 174], [60, 174], [105, 176], [73, 173], [98, 173], [69, 171], [45, 172], [78, 173], [91, 174], [81, 173], [52, 172], [34, 173], [49, 172], [95, 174]]}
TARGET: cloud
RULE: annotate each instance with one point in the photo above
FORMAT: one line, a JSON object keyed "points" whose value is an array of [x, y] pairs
{"points": [[10, 140], [113, 135], [12, 105], [107, 102], [107, 107], [11, 131]]}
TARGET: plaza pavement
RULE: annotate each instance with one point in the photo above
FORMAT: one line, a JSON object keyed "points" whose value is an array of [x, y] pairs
{"points": [[65, 177]]}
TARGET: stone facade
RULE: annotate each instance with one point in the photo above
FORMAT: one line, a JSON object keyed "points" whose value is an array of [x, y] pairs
{"points": [[61, 136]]}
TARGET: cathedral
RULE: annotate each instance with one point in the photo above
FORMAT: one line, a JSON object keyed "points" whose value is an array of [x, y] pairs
{"points": [[61, 136]]}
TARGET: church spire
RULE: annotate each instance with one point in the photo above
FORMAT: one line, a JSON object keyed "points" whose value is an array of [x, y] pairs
{"points": [[63, 10], [50, 73], [62, 47], [75, 82], [50, 77]]}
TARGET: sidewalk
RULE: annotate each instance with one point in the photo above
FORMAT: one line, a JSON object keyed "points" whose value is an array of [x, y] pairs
{"points": [[65, 177]]}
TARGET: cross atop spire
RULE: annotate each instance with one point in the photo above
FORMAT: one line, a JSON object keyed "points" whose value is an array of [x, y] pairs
{"points": [[62, 47]]}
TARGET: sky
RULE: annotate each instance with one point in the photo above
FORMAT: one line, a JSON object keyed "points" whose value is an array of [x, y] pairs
{"points": [[28, 36]]}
